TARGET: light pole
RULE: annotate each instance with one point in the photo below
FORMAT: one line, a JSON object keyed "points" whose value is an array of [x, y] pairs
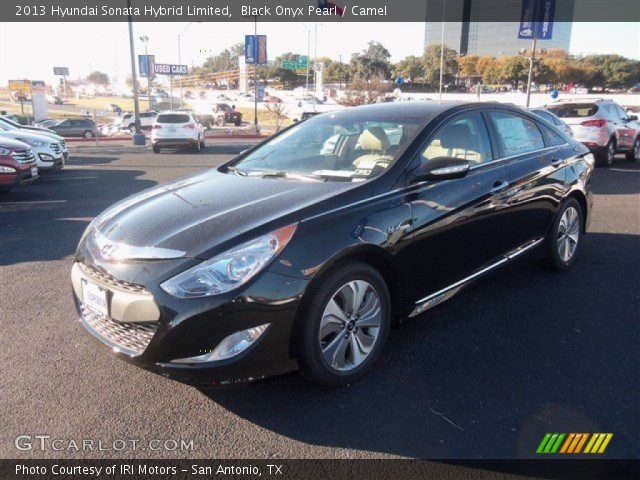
{"points": [[180, 54], [308, 54], [531, 62], [145, 40], [444, 4], [138, 138]]}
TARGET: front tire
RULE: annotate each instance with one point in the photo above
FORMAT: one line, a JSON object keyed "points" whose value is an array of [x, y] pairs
{"points": [[634, 154], [156, 149], [344, 325], [88, 134], [564, 238]]}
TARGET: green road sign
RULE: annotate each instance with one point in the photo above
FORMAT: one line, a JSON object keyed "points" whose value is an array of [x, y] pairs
{"points": [[289, 64], [302, 62]]}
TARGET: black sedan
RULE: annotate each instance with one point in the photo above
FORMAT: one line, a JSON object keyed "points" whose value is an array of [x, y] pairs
{"points": [[302, 251]]}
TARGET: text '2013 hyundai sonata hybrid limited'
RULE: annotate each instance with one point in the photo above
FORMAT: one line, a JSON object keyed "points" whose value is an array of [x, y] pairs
{"points": [[302, 251]]}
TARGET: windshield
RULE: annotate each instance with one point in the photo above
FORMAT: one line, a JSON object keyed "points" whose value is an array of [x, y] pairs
{"points": [[8, 124], [574, 110], [340, 146]]}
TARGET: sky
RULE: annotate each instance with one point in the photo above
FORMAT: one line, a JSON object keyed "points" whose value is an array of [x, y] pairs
{"points": [[85, 47]]}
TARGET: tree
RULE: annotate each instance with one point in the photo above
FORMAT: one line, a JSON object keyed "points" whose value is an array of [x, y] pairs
{"points": [[371, 62], [411, 67], [226, 60], [467, 65], [99, 78], [613, 71], [514, 70], [484, 64], [279, 112], [275, 71], [361, 91], [432, 64], [335, 72]]}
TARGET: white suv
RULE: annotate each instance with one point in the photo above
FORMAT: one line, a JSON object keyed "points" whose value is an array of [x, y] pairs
{"points": [[175, 129], [127, 121], [601, 125], [48, 153]]}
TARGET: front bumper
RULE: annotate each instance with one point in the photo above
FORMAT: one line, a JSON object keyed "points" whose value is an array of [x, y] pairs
{"points": [[149, 328]]}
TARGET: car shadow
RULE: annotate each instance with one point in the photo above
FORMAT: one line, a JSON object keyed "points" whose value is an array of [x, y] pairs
{"points": [[622, 178], [486, 374], [44, 221]]}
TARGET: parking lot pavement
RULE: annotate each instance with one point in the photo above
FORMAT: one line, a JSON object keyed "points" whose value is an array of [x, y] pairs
{"points": [[485, 375]]}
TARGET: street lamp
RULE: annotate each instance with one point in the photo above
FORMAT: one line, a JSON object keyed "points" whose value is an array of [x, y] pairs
{"points": [[138, 137], [180, 54], [145, 40]]}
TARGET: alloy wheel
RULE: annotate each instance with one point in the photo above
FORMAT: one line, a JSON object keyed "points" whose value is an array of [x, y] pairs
{"points": [[350, 325], [636, 149], [568, 234], [611, 152]]}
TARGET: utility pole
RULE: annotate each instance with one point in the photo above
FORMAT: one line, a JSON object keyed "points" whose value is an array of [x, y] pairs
{"points": [[138, 138], [255, 73], [531, 62]]}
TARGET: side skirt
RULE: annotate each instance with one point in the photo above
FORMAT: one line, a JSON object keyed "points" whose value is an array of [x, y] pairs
{"points": [[446, 293]]}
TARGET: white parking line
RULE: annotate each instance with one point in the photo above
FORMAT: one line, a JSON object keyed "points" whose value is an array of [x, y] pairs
{"points": [[61, 179]]}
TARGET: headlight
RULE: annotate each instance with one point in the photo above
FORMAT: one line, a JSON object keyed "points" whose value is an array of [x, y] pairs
{"points": [[230, 269], [33, 143], [7, 170], [4, 151]]}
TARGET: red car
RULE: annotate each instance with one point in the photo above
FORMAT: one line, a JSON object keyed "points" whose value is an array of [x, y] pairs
{"points": [[17, 164]]}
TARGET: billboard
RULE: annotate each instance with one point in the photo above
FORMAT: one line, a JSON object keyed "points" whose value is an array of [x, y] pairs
{"points": [[146, 65], [38, 86], [536, 18], [64, 71], [170, 69], [21, 86]]}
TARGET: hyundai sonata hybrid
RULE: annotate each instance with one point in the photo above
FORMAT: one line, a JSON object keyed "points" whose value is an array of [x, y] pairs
{"points": [[302, 251]]}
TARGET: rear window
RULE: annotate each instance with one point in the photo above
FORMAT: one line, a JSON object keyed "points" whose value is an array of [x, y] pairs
{"points": [[574, 110], [173, 118]]}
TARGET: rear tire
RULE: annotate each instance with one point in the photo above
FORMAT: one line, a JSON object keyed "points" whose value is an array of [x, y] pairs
{"points": [[156, 149], [220, 121], [336, 349], [237, 123], [565, 235], [634, 154], [605, 157], [88, 134]]}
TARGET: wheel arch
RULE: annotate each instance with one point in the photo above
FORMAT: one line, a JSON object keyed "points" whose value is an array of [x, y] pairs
{"points": [[370, 254], [582, 200]]}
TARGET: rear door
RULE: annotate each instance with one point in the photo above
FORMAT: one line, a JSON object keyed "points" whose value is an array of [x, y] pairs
{"points": [[458, 224], [536, 174]]}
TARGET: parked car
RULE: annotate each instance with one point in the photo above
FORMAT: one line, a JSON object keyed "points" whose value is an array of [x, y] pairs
{"points": [[224, 114], [127, 120], [76, 127], [56, 100], [46, 132], [113, 107], [47, 152], [603, 126], [17, 164], [176, 129], [286, 257], [46, 123], [550, 117]]}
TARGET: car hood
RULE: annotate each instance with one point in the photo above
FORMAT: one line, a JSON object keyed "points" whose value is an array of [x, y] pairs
{"points": [[20, 134], [197, 214]]}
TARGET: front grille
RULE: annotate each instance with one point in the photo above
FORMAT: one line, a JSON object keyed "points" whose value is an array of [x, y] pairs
{"points": [[56, 148], [131, 338], [111, 280], [24, 156]]}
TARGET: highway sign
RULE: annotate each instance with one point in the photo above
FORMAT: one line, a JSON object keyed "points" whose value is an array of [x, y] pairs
{"points": [[289, 64], [302, 62]]}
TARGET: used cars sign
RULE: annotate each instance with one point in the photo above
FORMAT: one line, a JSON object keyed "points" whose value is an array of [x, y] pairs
{"points": [[170, 69]]}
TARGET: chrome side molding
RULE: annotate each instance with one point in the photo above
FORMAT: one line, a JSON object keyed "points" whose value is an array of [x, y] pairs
{"points": [[446, 293]]}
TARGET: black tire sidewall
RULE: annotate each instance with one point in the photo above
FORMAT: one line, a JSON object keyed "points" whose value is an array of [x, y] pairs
{"points": [[552, 248], [310, 358]]}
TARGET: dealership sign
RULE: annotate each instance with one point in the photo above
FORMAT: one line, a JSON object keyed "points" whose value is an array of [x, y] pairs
{"points": [[255, 49], [169, 69], [536, 19], [20, 86], [146, 64]]}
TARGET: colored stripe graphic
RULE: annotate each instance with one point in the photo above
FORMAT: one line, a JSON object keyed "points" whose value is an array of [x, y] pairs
{"points": [[556, 443]]}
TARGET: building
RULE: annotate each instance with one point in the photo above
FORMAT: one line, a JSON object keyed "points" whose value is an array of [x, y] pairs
{"points": [[475, 34]]}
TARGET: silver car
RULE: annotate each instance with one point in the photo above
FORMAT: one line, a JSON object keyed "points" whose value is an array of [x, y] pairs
{"points": [[552, 118], [603, 126]]}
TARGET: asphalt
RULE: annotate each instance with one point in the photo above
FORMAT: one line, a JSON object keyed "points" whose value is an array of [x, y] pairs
{"points": [[485, 375]]}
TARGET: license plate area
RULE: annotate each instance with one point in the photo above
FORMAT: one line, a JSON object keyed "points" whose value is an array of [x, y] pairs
{"points": [[94, 298], [34, 171]]}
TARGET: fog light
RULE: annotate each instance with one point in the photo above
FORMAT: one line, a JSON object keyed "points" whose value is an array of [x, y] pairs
{"points": [[233, 345], [45, 158]]}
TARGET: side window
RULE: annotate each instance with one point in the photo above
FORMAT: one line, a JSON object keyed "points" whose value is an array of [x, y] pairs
{"points": [[621, 113], [464, 137], [516, 134], [554, 138]]}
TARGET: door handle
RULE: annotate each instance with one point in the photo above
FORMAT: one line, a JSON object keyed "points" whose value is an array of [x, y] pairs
{"points": [[498, 186]]}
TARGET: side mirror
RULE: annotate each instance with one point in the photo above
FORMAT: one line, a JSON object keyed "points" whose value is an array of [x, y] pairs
{"points": [[442, 168]]}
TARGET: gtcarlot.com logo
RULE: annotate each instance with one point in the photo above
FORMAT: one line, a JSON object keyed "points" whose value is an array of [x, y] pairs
{"points": [[574, 443]]}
